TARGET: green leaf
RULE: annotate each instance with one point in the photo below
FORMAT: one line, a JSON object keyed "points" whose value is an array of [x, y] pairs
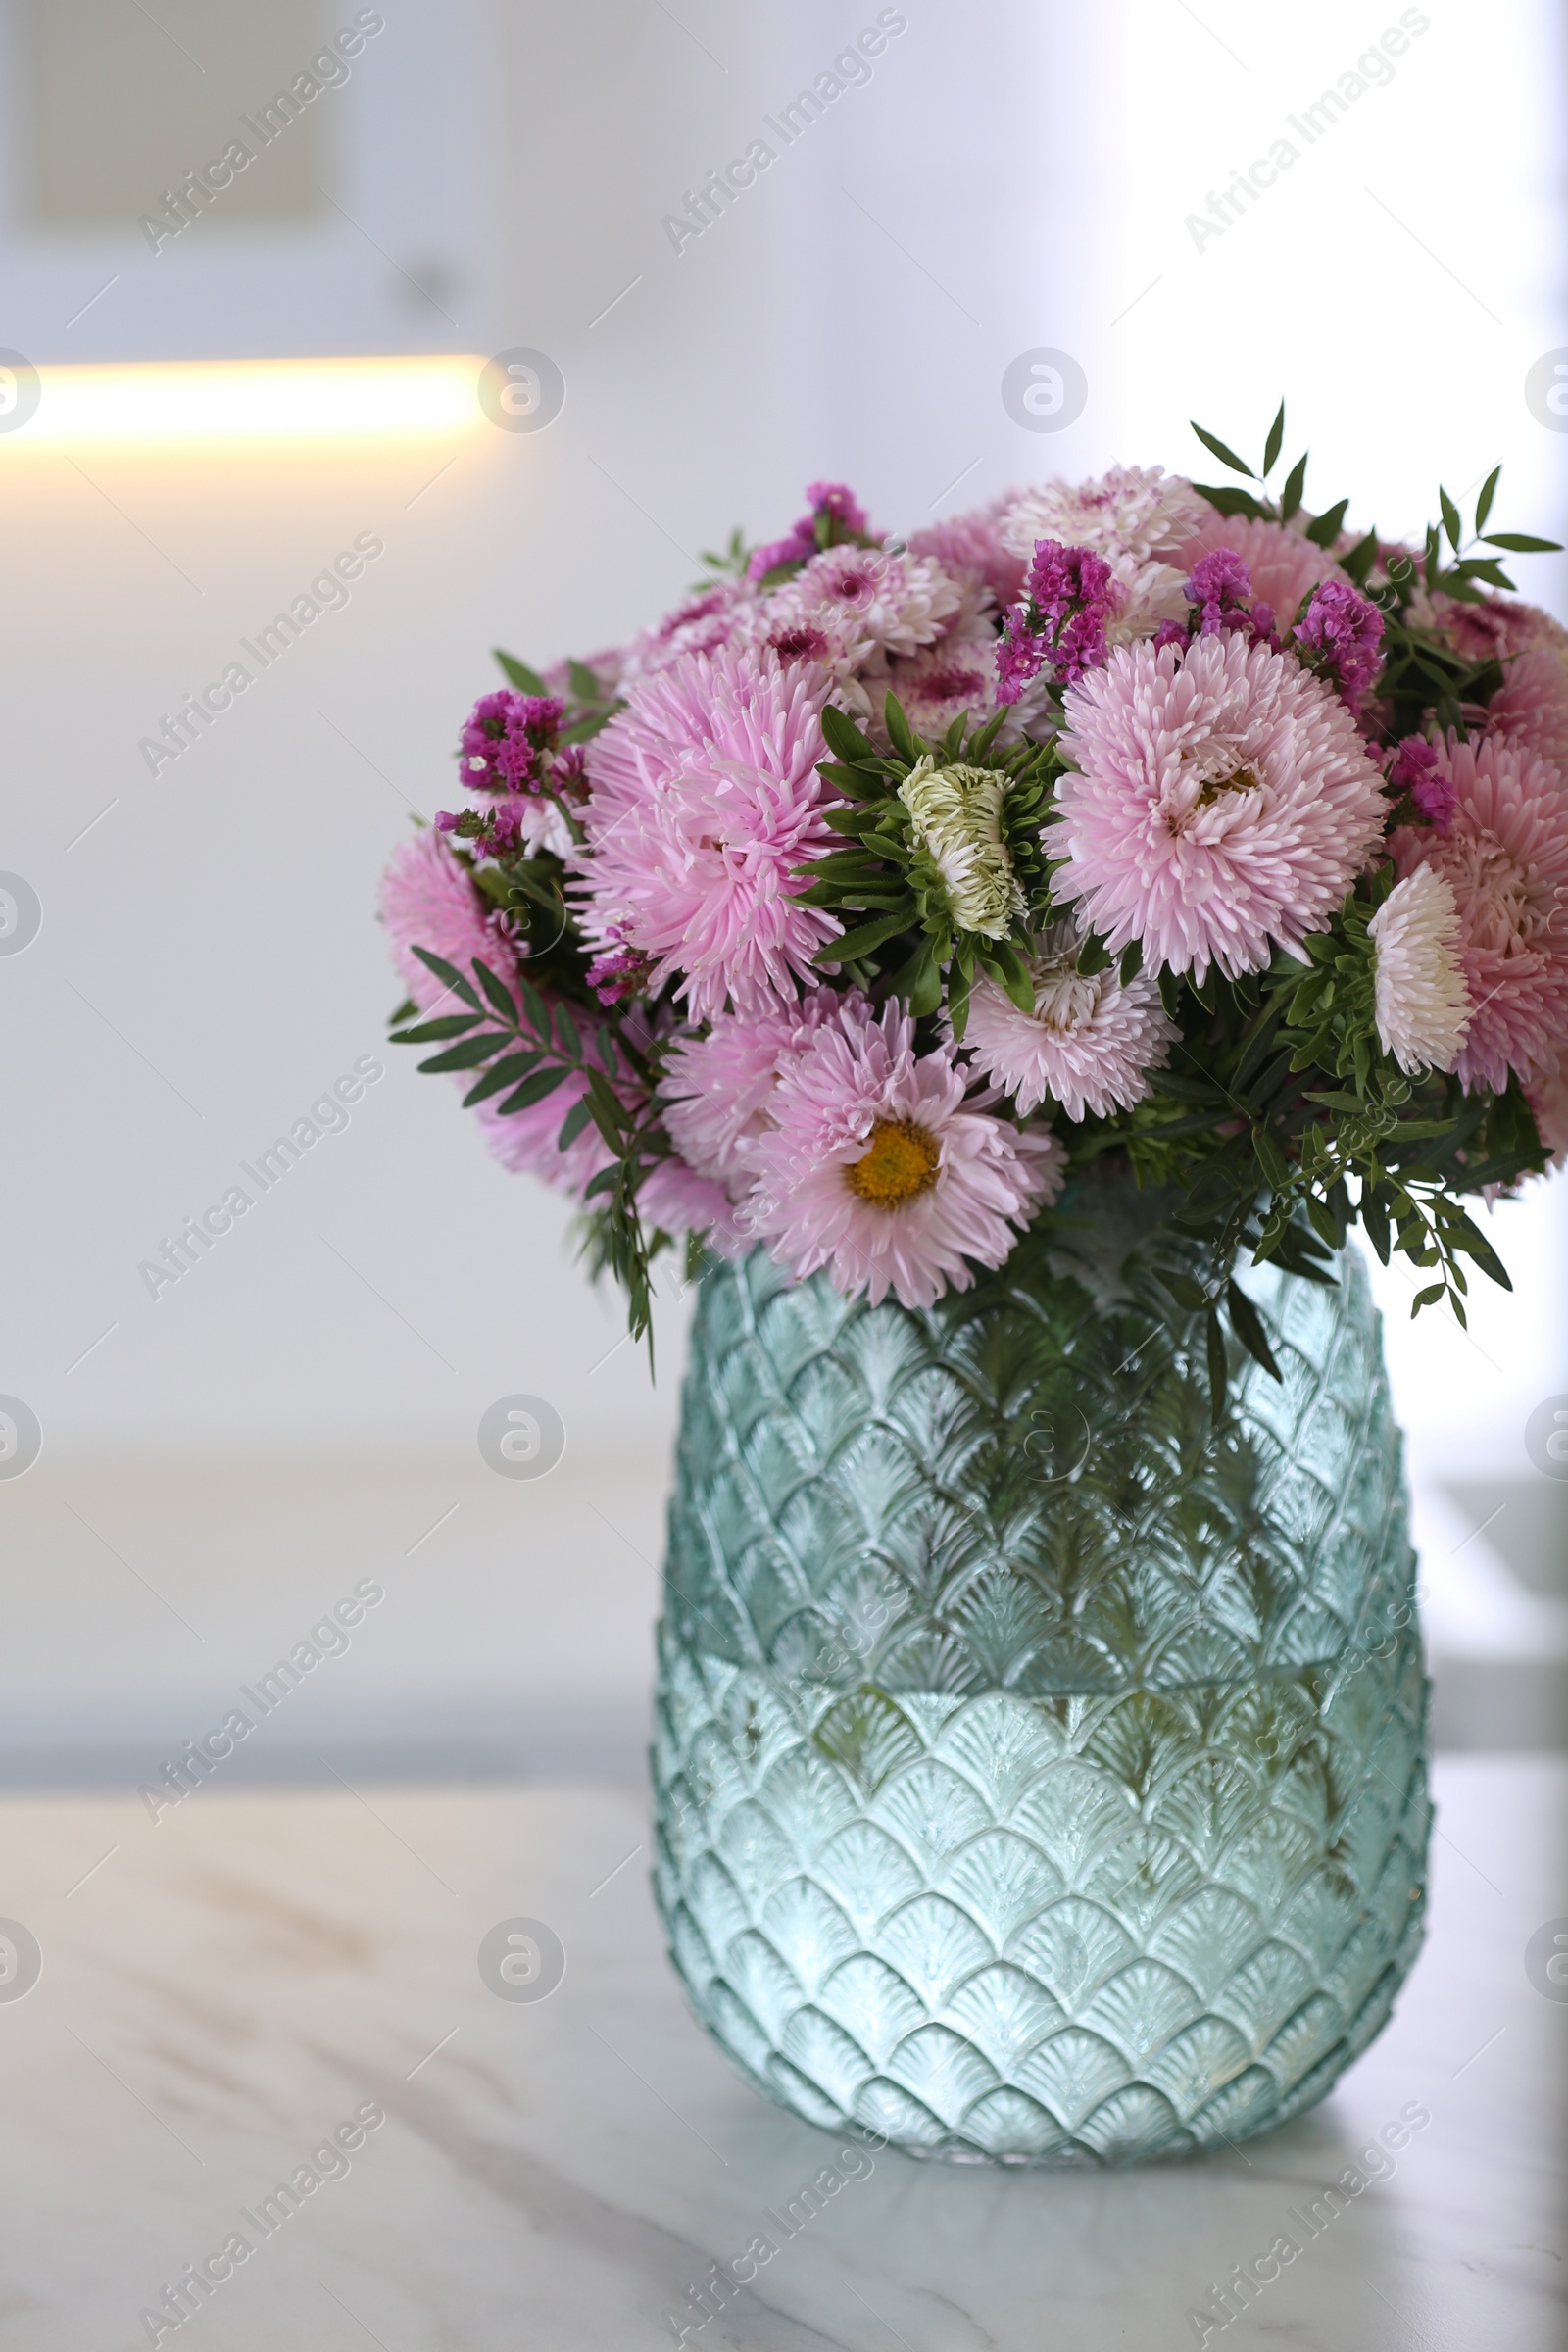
{"points": [[602, 1182], [1276, 437], [581, 730], [468, 1054], [584, 685], [843, 737], [1227, 500], [1488, 491], [1271, 1159], [1001, 962], [566, 1031], [864, 938], [1427, 1298], [1357, 565], [1217, 448], [502, 1074], [1092, 958], [450, 1024], [449, 976], [572, 1125], [1463, 1235], [1450, 518], [1183, 1289], [526, 680], [1328, 526], [1295, 484], [1375, 1218], [958, 982], [1132, 962], [900, 734], [1218, 1372], [1522, 543], [532, 1090], [1248, 1325], [500, 995]]}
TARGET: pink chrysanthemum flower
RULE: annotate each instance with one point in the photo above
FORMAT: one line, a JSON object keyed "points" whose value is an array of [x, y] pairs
{"points": [[969, 547], [1498, 628], [1282, 565], [1505, 857], [715, 618], [1547, 1098], [1139, 511], [1531, 707], [1089, 1043], [878, 1169], [716, 1090], [864, 598], [428, 899], [673, 1199], [951, 680], [706, 798], [1225, 803]]}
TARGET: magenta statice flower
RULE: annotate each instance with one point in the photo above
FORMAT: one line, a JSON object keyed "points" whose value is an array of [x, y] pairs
{"points": [[1282, 564], [836, 514], [1070, 597], [705, 800], [1417, 770], [1220, 592], [504, 737], [1090, 1042], [428, 899], [1344, 630], [1223, 803], [880, 1169], [616, 974], [1505, 857]]}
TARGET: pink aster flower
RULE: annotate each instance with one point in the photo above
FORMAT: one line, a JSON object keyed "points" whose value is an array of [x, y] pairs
{"points": [[879, 1169], [1505, 857], [1089, 1042], [1140, 512], [673, 1199], [969, 547], [1282, 565], [951, 680], [428, 899], [717, 1090], [1225, 801], [1531, 707], [1547, 1098], [708, 621], [706, 798], [1496, 628]]}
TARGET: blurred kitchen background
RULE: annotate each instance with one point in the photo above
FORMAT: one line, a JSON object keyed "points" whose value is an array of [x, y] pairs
{"points": [[223, 1464]]}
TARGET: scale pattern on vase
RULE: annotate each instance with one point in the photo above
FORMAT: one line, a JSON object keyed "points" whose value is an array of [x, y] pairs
{"points": [[1040, 1776]]}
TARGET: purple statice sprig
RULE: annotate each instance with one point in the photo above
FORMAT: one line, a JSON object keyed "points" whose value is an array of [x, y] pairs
{"points": [[618, 972], [1070, 597], [834, 515], [1340, 635], [504, 739], [1423, 794], [509, 747]]}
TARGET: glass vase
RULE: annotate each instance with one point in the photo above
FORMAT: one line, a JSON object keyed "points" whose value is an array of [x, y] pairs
{"points": [[1039, 1761]]}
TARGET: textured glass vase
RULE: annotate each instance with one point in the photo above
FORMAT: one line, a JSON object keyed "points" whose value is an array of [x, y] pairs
{"points": [[1039, 1769]]}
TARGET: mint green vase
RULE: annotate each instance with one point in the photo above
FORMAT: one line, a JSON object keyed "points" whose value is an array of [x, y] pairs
{"points": [[1039, 1765]]}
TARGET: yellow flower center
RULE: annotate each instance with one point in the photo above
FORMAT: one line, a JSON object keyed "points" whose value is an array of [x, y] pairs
{"points": [[1242, 780], [901, 1162]]}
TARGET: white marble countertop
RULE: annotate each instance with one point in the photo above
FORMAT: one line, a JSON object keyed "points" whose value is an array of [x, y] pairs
{"points": [[221, 1990]]}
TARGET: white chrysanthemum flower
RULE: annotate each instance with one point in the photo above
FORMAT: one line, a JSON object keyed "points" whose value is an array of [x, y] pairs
{"points": [[957, 818], [1422, 1004], [1135, 511], [1089, 1043], [857, 599], [1149, 594]]}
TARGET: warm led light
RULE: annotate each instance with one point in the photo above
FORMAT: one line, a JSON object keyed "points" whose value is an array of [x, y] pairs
{"points": [[252, 400]]}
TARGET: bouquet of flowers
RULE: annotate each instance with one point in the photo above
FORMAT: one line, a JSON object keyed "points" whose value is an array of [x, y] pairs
{"points": [[885, 885]]}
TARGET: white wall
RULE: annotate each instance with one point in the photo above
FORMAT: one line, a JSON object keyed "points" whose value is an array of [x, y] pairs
{"points": [[208, 959]]}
